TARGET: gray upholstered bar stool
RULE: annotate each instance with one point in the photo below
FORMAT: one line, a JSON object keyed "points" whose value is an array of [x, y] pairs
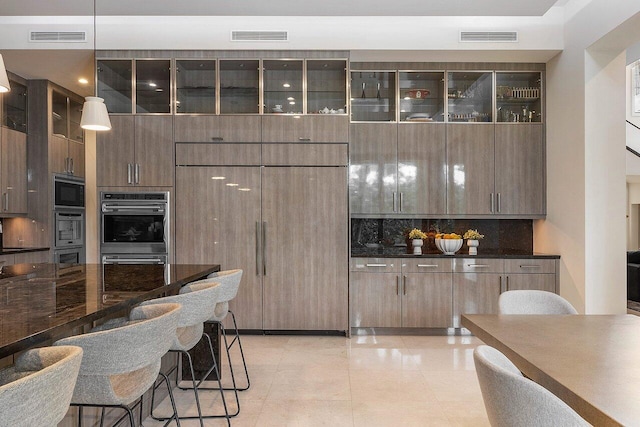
{"points": [[122, 358], [196, 309], [533, 302], [37, 389], [511, 399]]}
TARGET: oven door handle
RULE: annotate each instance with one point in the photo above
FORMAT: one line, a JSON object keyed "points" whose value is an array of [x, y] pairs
{"points": [[116, 260], [145, 209]]}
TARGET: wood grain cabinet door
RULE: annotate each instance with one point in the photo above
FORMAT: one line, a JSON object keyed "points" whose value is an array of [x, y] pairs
{"points": [[213, 129], [305, 222], [536, 282], [115, 152], [475, 293], [470, 169], [301, 129], [422, 177], [520, 169], [375, 300], [220, 224], [58, 154], [14, 171], [154, 150], [373, 168], [427, 300], [76, 156]]}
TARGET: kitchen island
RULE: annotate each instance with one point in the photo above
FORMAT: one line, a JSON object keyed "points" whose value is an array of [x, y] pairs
{"points": [[40, 303]]}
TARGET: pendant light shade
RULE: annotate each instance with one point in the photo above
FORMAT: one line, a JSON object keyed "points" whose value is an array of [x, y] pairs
{"points": [[4, 79], [95, 115]]}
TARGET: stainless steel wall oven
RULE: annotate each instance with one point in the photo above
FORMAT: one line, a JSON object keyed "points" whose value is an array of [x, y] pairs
{"points": [[134, 227]]}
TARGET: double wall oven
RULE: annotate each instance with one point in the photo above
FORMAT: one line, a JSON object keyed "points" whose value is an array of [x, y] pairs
{"points": [[134, 228], [68, 220]]}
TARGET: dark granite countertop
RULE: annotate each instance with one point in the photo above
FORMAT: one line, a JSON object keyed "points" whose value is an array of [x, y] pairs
{"points": [[43, 302], [401, 252], [11, 251]]}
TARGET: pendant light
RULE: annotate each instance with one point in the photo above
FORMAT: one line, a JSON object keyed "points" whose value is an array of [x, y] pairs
{"points": [[4, 79], [94, 112]]}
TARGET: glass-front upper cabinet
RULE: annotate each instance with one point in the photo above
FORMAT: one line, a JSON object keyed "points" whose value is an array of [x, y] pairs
{"points": [[59, 114], [196, 86], [469, 96], [518, 97], [14, 107], [115, 84], [373, 96], [75, 114], [326, 86], [153, 86], [421, 96], [282, 86], [239, 86]]}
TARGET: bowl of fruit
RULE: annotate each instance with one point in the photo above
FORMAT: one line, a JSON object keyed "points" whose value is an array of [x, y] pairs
{"points": [[448, 243]]}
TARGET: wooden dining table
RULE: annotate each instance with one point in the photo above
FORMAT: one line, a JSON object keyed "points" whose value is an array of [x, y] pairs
{"points": [[592, 362]]}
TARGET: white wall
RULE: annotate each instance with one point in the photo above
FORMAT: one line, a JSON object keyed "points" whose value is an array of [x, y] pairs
{"points": [[586, 190]]}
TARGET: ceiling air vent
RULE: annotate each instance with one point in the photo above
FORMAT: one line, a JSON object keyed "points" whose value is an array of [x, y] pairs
{"points": [[57, 36], [488, 36], [259, 36]]}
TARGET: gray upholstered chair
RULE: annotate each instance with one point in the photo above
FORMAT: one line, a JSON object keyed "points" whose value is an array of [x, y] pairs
{"points": [[512, 400], [122, 358], [229, 284], [37, 389], [196, 301], [533, 302]]}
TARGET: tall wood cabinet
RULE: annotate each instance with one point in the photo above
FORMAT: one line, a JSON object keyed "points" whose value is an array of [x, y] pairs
{"points": [[137, 151]]}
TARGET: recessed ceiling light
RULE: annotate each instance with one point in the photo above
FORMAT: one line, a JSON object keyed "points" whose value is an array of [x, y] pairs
{"points": [[291, 98], [286, 85], [83, 81], [218, 177]]}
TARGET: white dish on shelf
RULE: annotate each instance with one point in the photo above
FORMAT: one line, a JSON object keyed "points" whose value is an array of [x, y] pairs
{"points": [[418, 116], [449, 246]]}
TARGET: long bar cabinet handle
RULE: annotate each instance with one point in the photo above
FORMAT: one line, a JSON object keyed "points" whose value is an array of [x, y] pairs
{"points": [[397, 285], [404, 285], [6, 201], [257, 248], [264, 248], [492, 202], [72, 165], [217, 138], [530, 266], [401, 198], [394, 201], [499, 204], [137, 173], [478, 265], [376, 265], [129, 173], [428, 265]]}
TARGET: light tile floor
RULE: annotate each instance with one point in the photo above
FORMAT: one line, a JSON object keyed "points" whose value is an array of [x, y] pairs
{"points": [[363, 381]]}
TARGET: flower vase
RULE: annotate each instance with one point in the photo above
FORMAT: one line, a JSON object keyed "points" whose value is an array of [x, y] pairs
{"points": [[473, 246], [417, 246]]}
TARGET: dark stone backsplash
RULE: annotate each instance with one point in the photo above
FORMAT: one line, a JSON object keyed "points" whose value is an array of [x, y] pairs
{"points": [[504, 235]]}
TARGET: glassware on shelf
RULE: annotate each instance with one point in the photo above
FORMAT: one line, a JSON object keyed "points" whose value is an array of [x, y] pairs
{"points": [[283, 86], [421, 96], [239, 86], [373, 96], [196, 86], [115, 84], [469, 96], [518, 97], [59, 114], [14, 108], [326, 86]]}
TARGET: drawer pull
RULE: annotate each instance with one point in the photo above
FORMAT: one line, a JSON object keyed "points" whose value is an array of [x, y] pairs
{"points": [[376, 265], [217, 138], [477, 265], [304, 139], [428, 265], [530, 266]]}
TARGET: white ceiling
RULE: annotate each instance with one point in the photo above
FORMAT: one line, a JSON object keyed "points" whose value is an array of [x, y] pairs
{"points": [[279, 7]]}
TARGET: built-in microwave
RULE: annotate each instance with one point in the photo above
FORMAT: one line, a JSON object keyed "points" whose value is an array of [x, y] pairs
{"points": [[68, 192]]}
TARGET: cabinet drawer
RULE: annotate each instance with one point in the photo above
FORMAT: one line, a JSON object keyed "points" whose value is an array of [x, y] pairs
{"points": [[478, 265], [529, 265], [217, 129], [304, 154], [217, 154], [290, 128], [427, 265], [376, 265]]}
